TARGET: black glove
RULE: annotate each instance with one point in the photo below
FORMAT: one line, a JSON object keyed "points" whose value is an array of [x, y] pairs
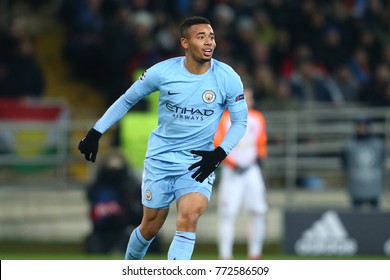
{"points": [[89, 145], [209, 162]]}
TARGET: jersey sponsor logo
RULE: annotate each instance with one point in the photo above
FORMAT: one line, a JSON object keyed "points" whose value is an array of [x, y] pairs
{"points": [[188, 113], [173, 93], [327, 236], [143, 76], [208, 96], [240, 97]]}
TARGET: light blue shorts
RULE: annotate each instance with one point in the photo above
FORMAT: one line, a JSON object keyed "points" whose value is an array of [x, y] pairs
{"points": [[163, 182]]}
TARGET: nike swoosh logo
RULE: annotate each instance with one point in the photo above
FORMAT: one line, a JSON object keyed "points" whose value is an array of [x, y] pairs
{"points": [[172, 93]]}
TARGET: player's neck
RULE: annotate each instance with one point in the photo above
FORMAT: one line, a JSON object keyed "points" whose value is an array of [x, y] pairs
{"points": [[195, 67]]}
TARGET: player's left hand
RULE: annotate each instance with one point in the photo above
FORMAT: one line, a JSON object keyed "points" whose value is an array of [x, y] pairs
{"points": [[207, 165]]}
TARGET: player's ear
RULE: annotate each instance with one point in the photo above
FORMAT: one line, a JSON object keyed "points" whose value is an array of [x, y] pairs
{"points": [[184, 43]]}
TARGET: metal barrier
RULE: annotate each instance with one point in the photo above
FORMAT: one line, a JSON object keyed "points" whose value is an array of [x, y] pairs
{"points": [[301, 143], [310, 141]]}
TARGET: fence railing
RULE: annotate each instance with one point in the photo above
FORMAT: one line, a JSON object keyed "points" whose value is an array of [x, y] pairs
{"points": [[304, 147], [307, 144]]}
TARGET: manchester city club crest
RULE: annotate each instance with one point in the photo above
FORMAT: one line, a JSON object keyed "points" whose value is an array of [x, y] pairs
{"points": [[148, 195], [208, 96]]}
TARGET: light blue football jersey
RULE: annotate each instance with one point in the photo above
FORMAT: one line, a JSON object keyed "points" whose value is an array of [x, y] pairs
{"points": [[190, 107]]}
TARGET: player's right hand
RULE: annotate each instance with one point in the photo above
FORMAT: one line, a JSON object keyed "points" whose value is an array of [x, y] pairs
{"points": [[89, 145]]}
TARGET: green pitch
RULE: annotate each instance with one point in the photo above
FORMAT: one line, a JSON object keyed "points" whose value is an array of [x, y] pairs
{"points": [[47, 251]]}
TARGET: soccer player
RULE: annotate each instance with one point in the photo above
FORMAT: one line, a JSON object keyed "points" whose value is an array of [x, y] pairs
{"points": [[181, 159], [242, 184]]}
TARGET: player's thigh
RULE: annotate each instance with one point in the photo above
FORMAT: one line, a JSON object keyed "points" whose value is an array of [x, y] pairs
{"points": [[230, 192], [157, 191], [192, 199]]}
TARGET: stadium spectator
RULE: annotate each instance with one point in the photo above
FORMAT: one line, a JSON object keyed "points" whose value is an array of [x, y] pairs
{"points": [[264, 83], [374, 92], [243, 38], [83, 49], [115, 209], [281, 99], [311, 86], [302, 11], [224, 20], [259, 54], [363, 159], [378, 17], [371, 44], [347, 84], [280, 50], [331, 49], [288, 63], [23, 75], [279, 12], [117, 42], [114, 204], [265, 30], [385, 54], [20, 73], [242, 69], [315, 30], [359, 65]]}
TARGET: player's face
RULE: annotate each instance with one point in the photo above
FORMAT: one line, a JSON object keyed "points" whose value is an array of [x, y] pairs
{"points": [[200, 43]]}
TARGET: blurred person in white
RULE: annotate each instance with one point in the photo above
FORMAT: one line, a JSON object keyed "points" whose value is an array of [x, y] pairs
{"points": [[242, 184]]}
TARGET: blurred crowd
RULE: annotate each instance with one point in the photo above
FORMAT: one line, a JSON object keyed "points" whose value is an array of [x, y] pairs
{"points": [[294, 53], [20, 73]]}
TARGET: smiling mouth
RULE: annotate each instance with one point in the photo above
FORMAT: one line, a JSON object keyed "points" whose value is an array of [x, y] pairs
{"points": [[208, 52]]}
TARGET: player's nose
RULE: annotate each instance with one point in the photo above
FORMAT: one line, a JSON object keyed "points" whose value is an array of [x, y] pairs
{"points": [[208, 41]]}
